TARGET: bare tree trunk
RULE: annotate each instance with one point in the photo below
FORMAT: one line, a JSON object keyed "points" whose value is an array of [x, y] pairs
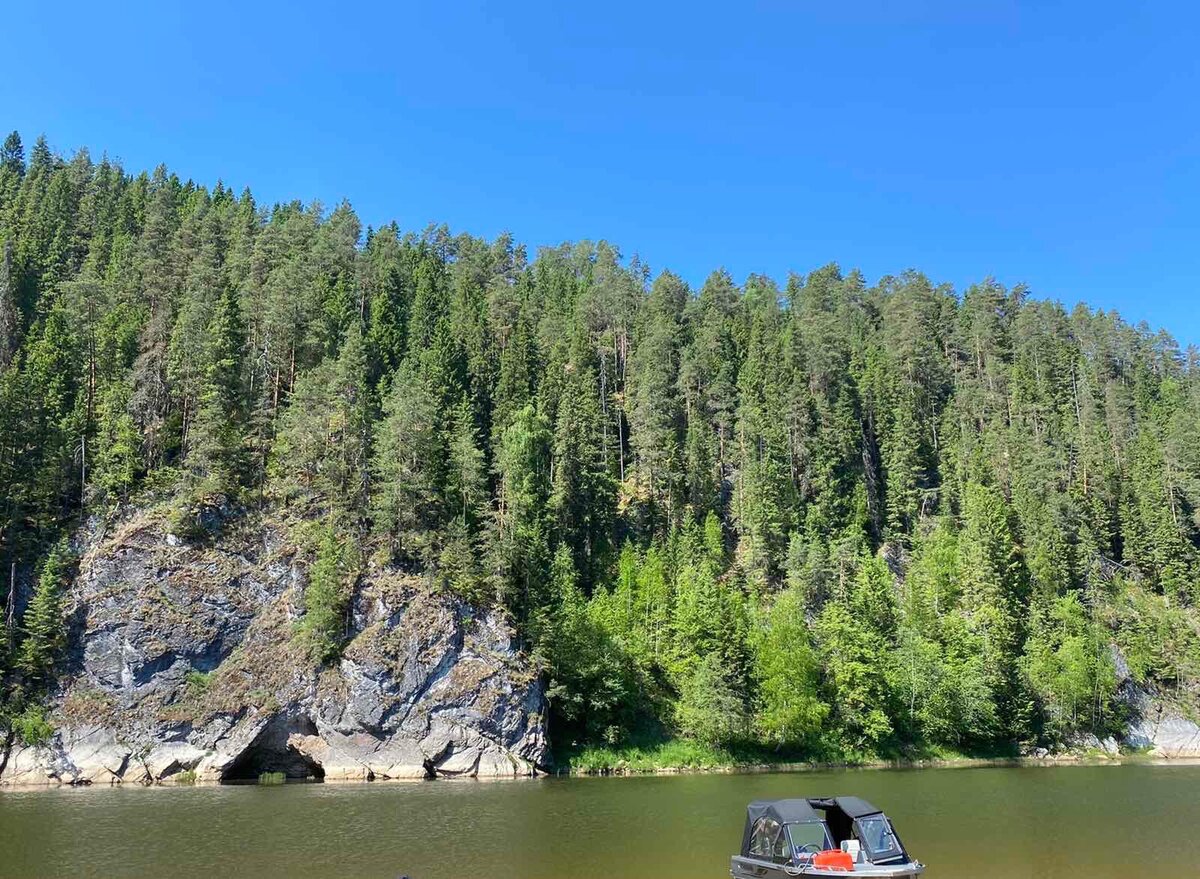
{"points": [[10, 612], [620, 443]]}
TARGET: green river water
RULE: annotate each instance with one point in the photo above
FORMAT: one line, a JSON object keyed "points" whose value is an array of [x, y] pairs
{"points": [[1099, 822]]}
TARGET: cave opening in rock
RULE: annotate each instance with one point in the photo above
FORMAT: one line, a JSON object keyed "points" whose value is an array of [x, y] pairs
{"points": [[271, 754]]}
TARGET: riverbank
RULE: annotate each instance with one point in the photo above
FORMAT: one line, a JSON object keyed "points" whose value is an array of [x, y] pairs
{"points": [[680, 756], [646, 768]]}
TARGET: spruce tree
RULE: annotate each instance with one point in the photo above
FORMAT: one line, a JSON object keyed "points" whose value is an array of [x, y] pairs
{"points": [[9, 318], [43, 629], [216, 452], [12, 155], [408, 469]]}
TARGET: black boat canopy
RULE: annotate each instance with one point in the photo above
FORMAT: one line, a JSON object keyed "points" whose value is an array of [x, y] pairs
{"points": [[784, 811], [852, 806], [838, 812]]}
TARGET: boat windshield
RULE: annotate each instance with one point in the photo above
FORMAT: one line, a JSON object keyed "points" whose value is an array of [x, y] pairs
{"points": [[877, 837], [809, 838]]}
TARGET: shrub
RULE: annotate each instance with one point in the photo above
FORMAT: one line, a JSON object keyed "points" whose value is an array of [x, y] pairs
{"points": [[32, 727], [197, 682]]}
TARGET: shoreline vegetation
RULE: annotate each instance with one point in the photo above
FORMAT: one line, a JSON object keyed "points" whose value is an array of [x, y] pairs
{"points": [[670, 759], [681, 755]]}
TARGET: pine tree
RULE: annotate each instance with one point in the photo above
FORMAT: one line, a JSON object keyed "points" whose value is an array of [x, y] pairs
{"points": [[51, 366], [854, 665], [517, 381], [323, 453], [711, 708], [467, 477], [386, 299], [521, 544], [330, 577], [118, 444], [764, 499], [994, 589]]}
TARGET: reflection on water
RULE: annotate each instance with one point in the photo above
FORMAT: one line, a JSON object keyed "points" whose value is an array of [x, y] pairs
{"points": [[1096, 822]]}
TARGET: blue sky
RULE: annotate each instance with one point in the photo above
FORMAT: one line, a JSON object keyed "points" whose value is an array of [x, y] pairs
{"points": [[1056, 144]]}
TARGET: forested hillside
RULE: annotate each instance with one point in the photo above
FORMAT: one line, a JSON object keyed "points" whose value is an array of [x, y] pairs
{"points": [[826, 517]]}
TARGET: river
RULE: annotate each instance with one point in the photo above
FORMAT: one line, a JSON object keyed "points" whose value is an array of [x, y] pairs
{"points": [[1071, 822]]}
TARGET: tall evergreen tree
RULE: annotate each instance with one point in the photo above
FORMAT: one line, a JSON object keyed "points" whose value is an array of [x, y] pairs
{"points": [[9, 319], [216, 452]]}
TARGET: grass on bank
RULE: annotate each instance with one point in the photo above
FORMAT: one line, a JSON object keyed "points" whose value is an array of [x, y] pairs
{"points": [[653, 754], [673, 753]]}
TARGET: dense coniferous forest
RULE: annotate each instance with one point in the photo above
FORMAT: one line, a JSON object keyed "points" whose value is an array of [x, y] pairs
{"points": [[818, 516]]}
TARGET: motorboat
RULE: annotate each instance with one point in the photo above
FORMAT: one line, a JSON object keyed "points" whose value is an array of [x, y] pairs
{"points": [[821, 836]]}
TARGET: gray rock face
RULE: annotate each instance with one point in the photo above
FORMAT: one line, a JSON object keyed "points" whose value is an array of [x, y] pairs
{"points": [[183, 658], [1158, 725], [1162, 729]]}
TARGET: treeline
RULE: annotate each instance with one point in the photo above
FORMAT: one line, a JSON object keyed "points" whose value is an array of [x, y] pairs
{"points": [[825, 517]]}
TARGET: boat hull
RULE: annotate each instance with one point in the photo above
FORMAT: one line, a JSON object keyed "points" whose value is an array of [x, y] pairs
{"points": [[753, 868]]}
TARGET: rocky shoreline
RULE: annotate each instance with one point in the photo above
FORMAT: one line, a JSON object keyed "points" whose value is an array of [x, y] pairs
{"points": [[1057, 760], [182, 664]]}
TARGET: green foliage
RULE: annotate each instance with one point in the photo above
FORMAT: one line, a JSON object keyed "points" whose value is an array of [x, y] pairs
{"points": [[1069, 665], [215, 457], [680, 753], [854, 660], [594, 689], [711, 708], [1160, 642], [32, 727], [787, 673], [330, 577], [322, 455], [197, 683], [119, 446], [408, 465], [44, 635]]}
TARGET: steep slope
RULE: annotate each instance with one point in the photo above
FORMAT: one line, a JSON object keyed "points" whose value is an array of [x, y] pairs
{"points": [[182, 657]]}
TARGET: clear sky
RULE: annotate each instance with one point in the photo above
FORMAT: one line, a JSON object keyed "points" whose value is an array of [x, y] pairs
{"points": [[1056, 144]]}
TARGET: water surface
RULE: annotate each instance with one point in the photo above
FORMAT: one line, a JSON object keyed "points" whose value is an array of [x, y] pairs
{"points": [[1099, 822]]}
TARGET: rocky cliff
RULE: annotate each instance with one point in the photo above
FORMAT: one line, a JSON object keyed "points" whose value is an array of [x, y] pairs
{"points": [[182, 659], [1161, 725]]}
